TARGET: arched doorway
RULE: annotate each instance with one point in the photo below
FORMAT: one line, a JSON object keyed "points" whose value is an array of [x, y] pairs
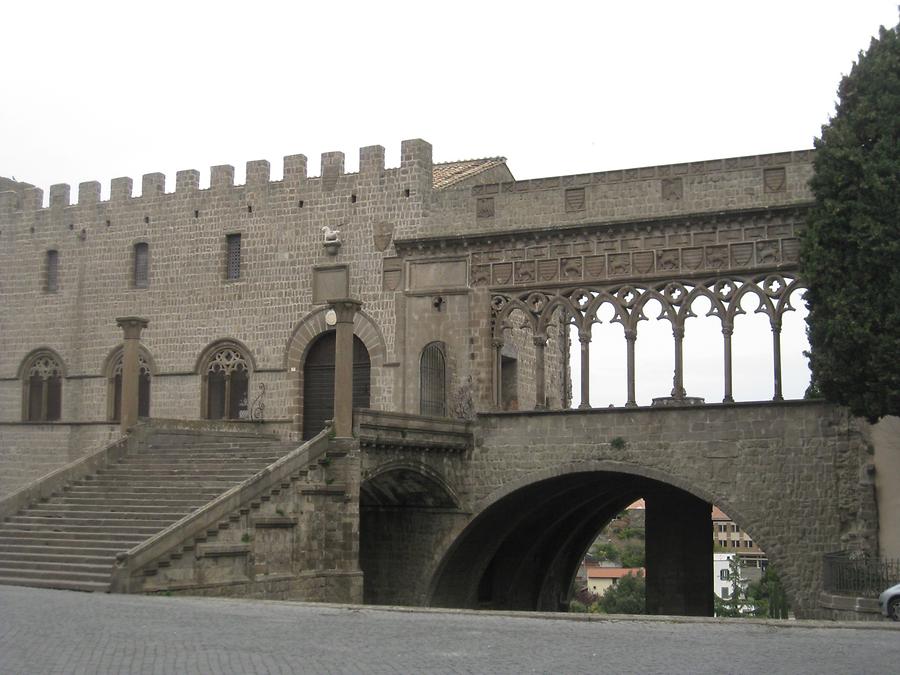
{"points": [[318, 382]]}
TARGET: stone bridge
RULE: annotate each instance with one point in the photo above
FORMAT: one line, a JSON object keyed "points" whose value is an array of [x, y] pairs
{"points": [[502, 520]]}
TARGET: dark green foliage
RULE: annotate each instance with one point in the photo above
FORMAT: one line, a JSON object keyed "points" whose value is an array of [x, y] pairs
{"points": [[768, 596], [628, 596], [605, 551], [632, 553], [851, 248]]}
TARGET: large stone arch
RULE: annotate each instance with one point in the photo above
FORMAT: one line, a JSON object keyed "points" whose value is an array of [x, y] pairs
{"points": [[305, 333], [578, 507]]}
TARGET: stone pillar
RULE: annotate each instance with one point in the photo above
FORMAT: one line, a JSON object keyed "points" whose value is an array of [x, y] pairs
{"points": [[776, 356], [678, 392], [727, 330], [679, 553], [131, 330], [498, 373], [540, 394], [584, 337], [345, 309], [630, 338]]}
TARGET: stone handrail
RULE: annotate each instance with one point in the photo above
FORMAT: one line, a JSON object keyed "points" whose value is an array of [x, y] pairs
{"points": [[214, 512], [49, 484], [379, 429]]}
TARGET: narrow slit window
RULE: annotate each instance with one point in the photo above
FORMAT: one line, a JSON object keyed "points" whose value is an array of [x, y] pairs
{"points": [[233, 262], [141, 265], [52, 280]]}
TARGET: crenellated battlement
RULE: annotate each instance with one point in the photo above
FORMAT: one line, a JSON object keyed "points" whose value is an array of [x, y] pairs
{"points": [[415, 166]]}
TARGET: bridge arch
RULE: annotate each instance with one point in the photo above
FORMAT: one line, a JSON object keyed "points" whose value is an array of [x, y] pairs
{"points": [[522, 548], [406, 510]]}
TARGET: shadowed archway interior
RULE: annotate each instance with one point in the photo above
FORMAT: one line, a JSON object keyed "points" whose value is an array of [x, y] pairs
{"points": [[522, 552]]}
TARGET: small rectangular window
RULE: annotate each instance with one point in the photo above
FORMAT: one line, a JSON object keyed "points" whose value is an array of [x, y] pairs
{"points": [[52, 271], [233, 261], [141, 265]]}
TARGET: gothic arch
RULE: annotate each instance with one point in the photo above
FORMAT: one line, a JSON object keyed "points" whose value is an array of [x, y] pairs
{"points": [[111, 367], [305, 332], [229, 380], [41, 373]]}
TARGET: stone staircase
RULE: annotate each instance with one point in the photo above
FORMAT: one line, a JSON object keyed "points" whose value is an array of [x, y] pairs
{"points": [[70, 540]]}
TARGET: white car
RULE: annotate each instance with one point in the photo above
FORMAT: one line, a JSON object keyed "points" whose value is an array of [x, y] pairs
{"points": [[889, 601]]}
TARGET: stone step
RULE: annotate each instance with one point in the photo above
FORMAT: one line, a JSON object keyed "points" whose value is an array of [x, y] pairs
{"points": [[45, 552], [145, 491], [194, 464], [154, 472], [39, 543], [108, 510], [81, 511], [205, 456], [58, 563], [99, 575], [126, 528], [116, 501], [63, 523], [60, 584], [167, 481]]}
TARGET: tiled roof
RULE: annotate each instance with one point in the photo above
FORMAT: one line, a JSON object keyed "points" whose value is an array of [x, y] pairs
{"points": [[448, 174], [613, 572]]}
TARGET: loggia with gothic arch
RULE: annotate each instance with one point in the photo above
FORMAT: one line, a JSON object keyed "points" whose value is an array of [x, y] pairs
{"points": [[446, 305]]}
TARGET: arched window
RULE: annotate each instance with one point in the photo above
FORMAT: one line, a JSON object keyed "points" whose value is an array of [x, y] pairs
{"points": [[226, 377], [433, 381], [114, 405], [42, 388]]}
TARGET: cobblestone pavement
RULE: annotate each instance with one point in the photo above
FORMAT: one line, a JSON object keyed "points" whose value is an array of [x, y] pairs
{"points": [[45, 631]]}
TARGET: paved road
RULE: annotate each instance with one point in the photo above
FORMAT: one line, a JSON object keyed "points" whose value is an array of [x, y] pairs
{"points": [[62, 632]]}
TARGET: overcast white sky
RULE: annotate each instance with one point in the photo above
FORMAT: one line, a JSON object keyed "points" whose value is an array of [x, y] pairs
{"points": [[95, 90]]}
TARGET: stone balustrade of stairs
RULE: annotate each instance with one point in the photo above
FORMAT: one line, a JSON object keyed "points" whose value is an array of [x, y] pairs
{"points": [[71, 539]]}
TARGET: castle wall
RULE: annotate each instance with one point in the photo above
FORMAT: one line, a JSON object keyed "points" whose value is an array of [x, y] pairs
{"points": [[621, 196]]}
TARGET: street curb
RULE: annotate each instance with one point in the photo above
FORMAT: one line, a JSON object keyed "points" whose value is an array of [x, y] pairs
{"points": [[568, 616]]}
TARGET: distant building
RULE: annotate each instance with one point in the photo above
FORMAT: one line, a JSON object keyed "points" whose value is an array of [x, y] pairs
{"points": [[601, 577]]}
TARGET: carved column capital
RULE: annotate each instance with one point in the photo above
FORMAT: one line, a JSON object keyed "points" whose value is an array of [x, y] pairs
{"points": [[132, 326], [345, 309]]}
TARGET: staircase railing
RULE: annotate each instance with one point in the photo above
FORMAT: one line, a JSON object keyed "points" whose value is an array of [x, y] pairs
{"points": [[845, 573], [55, 481], [210, 515]]}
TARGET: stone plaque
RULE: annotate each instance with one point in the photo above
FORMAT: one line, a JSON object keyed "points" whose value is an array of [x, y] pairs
{"points": [[774, 180], [791, 249], [392, 274], [525, 271], [548, 270], [428, 275], [330, 282], [574, 200], [741, 254], [484, 207], [672, 189], [643, 262]]}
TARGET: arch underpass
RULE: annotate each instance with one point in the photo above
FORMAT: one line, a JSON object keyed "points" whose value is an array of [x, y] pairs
{"points": [[522, 552], [504, 522]]}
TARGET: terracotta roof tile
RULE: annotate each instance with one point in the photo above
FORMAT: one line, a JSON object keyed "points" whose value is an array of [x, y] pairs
{"points": [[448, 174]]}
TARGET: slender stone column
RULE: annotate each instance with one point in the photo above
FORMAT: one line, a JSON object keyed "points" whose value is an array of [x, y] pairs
{"points": [[498, 373], [776, 356], [678, 392], [345, 309], [540, 396], [131, 330], [584, 337], [726, 336], [630, 338]]}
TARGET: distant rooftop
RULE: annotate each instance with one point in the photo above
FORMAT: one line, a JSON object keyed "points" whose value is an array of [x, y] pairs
{"points": [[448, 174]]}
